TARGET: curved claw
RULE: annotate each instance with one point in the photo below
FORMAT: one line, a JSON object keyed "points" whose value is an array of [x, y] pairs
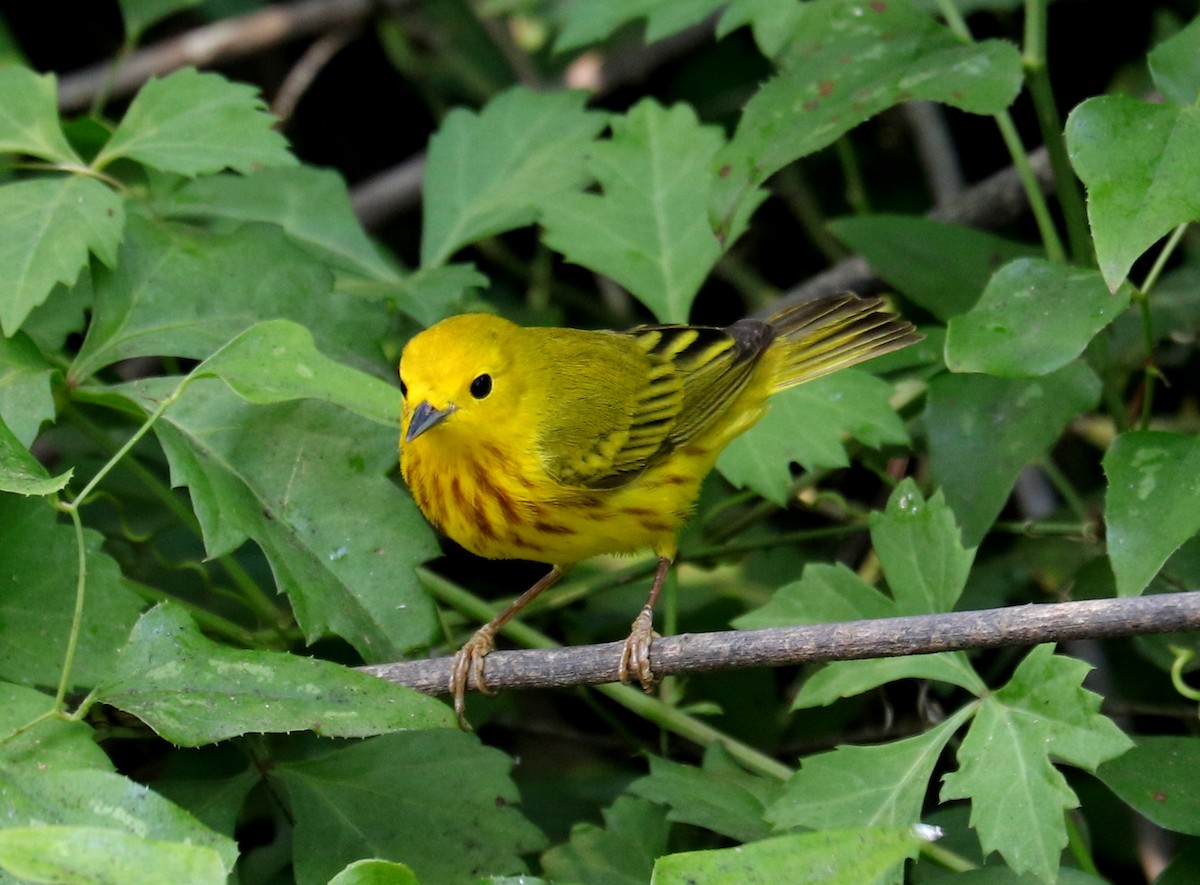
{"points": [[635, 655], [469, 660]]}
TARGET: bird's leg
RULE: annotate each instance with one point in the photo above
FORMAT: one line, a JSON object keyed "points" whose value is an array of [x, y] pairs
{"points": [[635, 656], [469, 659]]}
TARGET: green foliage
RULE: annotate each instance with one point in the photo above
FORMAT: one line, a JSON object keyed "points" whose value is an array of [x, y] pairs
{"points": [[202, 530]]}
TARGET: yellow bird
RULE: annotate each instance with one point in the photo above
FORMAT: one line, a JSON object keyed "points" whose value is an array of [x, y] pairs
{"points": [[556, 445]]}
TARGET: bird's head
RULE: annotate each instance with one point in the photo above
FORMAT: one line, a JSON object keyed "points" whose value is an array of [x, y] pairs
{"points": [[457, 378]]}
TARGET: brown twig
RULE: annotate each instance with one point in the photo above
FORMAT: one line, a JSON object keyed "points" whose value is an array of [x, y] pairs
{"points": [[845, 641], [302, 75], [223, 41]]}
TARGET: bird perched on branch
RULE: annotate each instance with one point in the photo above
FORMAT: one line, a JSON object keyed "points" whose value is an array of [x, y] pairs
{"points": [[556, 445]]}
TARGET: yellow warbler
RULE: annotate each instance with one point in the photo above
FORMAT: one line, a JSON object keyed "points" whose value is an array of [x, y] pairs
{"points": [[555, 445]]}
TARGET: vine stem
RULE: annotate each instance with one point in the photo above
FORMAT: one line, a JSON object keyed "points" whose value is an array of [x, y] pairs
{"points": [[1142, 296], [1020, 157], [71, 508]]}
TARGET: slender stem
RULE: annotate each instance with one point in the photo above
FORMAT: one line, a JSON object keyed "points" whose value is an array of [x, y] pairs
{"points": [[856, 188], [648, 707], [210, 621], [1020, 158], [1037, 78], [1183, 656], [1078, 845], [32, 723], [1161, 261], [1063, 486], [945, 857], [64, 680]]}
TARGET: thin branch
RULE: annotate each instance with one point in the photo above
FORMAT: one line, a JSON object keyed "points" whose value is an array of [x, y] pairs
{"points": [[222, 41], [845, 641], [305, 71]]}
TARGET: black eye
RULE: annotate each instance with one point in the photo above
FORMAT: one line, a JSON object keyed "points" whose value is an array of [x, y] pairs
{"points": [[481, 386]]}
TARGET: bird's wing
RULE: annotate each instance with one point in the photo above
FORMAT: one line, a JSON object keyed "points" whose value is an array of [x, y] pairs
{"points": [[670, 387]]}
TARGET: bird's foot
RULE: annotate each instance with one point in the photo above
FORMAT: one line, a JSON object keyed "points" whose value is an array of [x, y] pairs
{"points": [[469, 661], [635, 656]]}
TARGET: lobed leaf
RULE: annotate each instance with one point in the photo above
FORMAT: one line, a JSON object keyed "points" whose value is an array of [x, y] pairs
{"points": [[1017, 796], [918, 545], [1152, 505], [496, 170], [29, 116], [588, 23], [983, 430], [808, 425], [384, 872], [1034, 317], [306, 481], [438, 801], [1175, 65], [194, 691], [180, 291], [648, 229], [194, 123], [48, 227], [883, 785], [847, 62], [311, 205]]}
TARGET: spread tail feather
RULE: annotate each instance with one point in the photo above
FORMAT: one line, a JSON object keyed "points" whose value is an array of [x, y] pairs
{"points": [[818, 337]]}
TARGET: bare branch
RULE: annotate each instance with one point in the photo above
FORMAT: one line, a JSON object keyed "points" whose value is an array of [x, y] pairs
{"points": [[845, 641], [223, 41]]}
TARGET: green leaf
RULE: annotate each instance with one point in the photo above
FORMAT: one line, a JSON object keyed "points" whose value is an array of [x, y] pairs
{"points": [[1017, 796], [211, 796], [495, 170], [622, 852], [864, 786], [36, 796], [845, 679], [277, 361], [99, 856], [435, 293], [438, 801], [866, 855], [185, 292], [719, 796], [1174, 66], [377, 872], [1184, 868], [942, 267], [23, 474], [38, 569], [1157, 778], [311, 205], [808, 425], [588, 23], [25, 397], [1035, 316], [846, 63], [1137, 160], [29, 116], [649, 228], [306, 481], [47, 228], [772, 23], [194, 691], [918, 545], [52, 744], [195, 124], [983, 430], [141, 14], [1152, 505]]}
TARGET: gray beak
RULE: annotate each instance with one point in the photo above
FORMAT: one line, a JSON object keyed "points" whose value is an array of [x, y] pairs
{"points": [[425, 416]]}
